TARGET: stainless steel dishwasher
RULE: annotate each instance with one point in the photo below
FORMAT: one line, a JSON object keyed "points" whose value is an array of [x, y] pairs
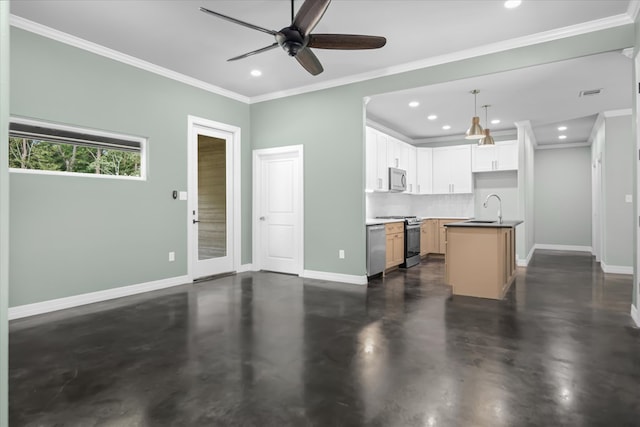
{"points": [[376, 249]]}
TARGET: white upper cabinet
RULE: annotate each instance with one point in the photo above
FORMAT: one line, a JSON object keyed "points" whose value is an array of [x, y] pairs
{"points": [[452, 170], [377, 170], [412, 187], [499, 157], [397, 153], [424, 166]]}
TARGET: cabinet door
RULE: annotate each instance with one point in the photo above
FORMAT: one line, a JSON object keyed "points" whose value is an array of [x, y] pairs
{"points": [[483, 158], [424, 237], [398, 248], [460, 167], [393, 151], [424, 177], [411, 170], [390, 247], [433, 236], [371, 160], [506, 155], [382, 169], [441, 171]]}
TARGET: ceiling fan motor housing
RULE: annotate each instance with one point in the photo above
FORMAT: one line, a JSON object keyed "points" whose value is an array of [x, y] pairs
{"points": [[291, 40]]}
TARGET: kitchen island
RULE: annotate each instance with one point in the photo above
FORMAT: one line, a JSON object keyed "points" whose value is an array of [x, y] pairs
{"points": [[480, 257]]}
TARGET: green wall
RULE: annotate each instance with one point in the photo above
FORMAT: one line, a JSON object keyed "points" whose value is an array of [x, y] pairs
{"points": [[4, 210], [73, 235], [329, 124], [618, 182], [563, 196]]}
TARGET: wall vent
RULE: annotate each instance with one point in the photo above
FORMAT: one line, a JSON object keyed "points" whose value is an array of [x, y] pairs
{"points": [[591, 92]]}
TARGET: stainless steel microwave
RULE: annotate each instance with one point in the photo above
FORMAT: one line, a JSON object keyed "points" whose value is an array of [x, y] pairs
{"points": [[397, 179]]}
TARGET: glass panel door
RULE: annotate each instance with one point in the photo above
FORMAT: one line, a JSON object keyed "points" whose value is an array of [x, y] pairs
{"points": [[212, 197]]}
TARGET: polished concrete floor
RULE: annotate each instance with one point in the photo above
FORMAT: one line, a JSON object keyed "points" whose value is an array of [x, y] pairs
{"points": [[262, 349]]}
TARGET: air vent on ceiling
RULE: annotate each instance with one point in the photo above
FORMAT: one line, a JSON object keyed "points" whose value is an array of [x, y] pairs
{"points": [[591, 92]]}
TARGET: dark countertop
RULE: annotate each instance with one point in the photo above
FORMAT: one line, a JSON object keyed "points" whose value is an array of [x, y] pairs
{"points": [[505, 224]]}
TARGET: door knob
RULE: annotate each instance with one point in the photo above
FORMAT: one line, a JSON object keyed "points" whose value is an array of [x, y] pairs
{"points": [[262, 218], [195, 221]]}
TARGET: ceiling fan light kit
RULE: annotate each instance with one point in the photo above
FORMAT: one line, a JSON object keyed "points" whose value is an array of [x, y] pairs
{"points": [[475, 131], [297, 40]]}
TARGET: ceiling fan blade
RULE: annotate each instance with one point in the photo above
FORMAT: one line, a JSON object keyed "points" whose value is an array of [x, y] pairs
{"points": [[264, 49], [345, 41], [309, 61], [309, 15], [239, 22]]}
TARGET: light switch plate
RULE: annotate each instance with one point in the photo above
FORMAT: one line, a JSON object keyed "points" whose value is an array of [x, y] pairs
{"points": [[628, 198], [183, 195]]}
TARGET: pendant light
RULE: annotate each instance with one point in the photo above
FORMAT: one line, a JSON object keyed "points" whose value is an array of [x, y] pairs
{"points": [[475, 131], [488, 139]]}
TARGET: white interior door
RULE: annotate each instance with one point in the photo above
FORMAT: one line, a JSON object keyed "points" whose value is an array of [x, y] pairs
{"points": [[211, 201], [278, 205]]}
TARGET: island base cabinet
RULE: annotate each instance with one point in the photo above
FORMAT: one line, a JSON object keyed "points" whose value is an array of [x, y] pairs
{"points": [[480, 262]]}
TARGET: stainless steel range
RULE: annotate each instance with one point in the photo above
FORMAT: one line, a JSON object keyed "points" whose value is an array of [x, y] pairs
{"points": [[411, 239]]}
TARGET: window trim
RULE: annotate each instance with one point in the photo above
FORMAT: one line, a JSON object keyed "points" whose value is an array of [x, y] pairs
{"points": [[77, 130]]}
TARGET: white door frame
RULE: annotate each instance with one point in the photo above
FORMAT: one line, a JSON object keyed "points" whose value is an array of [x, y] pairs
{"points": [[192, 188], [298, 151], [636, 216]]}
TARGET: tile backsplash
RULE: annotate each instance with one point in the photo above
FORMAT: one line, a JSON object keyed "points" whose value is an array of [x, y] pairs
{"points": [[432, 205]]}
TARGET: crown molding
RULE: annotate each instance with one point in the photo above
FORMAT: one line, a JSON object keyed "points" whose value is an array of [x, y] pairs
{"points": [[525, 126], [596, 127], [617, 113], [543, 37], [546, 36], [43, 30], [633, 9], [460, 137], [558, 146]]}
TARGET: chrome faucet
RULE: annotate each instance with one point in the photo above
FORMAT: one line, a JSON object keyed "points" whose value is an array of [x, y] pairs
{"points": [[486, 202]]}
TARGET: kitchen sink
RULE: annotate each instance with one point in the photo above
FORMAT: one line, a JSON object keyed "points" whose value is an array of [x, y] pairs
{"points": [[480, 221]]}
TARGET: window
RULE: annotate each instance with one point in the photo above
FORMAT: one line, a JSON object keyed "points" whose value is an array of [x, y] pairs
{"points": [[53, 148]]}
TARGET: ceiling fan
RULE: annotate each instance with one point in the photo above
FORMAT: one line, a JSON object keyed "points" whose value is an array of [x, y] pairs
{"points": [[297, 40]]}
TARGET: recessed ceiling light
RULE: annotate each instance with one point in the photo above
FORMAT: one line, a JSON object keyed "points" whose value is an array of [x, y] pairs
{"points": [[512, 4], [414, 104], [446, 127], [562, 128], [562, 137], [256, 73], [495, 121], [432, 117]]}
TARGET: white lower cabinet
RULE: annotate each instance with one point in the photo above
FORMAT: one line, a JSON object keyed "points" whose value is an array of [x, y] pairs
{"points": [[452, 170]]}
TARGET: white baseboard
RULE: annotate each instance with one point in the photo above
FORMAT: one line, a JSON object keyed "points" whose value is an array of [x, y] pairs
{"points": [[635, 315], [244, 268], [525, 262], [573, 248], [92, 297], [335, 277], [616, 269]]}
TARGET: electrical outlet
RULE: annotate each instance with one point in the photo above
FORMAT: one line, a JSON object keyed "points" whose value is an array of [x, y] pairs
{"points": [[628, 198], [341, 254], [172, 256]]}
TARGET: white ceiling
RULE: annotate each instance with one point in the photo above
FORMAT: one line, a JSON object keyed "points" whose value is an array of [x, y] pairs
{"points": [[175, 35], [545, 95]]}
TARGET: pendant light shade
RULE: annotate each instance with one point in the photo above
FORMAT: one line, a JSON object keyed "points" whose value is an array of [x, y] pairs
{"points": [[475, 131], [488, 139]]}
